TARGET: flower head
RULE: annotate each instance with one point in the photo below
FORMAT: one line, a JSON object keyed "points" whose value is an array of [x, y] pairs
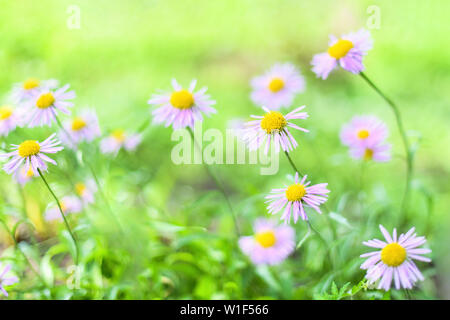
{"points": [[23, 175], [295, 197], [4, 280], [270, 244], [347, 51], [118, 139], [376, 152], [42, 107], [31, 153], [273, 126], [86, 191], [182, 107], [364, 131], [278, 86], [395, 259], [83, 127], [27, 89], [9, 120], [69, 204]]}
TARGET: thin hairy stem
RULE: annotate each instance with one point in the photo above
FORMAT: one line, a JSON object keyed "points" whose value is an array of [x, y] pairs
{"points": [[218, 184], [62, 214], [401, 129]]}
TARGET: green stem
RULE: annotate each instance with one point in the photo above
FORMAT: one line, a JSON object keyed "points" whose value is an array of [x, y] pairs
{"points": [[97, 182], [62, 214], [218, 184], [103, 195], [323, 240], [292, 163], [408, 152]]}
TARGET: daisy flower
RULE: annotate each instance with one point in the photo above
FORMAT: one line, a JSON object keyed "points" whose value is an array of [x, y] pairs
{"points": [[377, 152], [31, 153], [363, 130], [6, 281], [41, 109], [273, 126], [270, 244], [84, 127], [182, 107], [278, 86], [347, 51], [395, 259], [23, 175], [23, 91], [118, 139], [86, 191], [69, 204], [9, 120], [295, 197]]}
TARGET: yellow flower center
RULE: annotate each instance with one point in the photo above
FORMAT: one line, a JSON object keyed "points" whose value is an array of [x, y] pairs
{"points": [[276, 84], [295, 192], [80, 188], [368, 154], [78, 124], [393, 255], [29, 173], [340, 48], [29, 148], [45, 100], [119, 135], [266, 239], [30, 84], [272, 121], [63, 206], [182, 99], [5, 112], [363, 134]]}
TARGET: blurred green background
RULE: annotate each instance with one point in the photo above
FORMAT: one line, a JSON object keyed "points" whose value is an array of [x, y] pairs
{"points": [[178, 240]]}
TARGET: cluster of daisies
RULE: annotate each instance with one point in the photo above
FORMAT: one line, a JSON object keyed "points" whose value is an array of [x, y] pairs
{"points": [[181, 107], [35, 103], [365, 136]]}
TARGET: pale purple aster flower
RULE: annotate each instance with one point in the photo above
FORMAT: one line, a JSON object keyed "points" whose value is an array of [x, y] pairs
{"points": [[69, 204], [9, 119], [6, 281], [29, 88], [86, 191], [295, 197], [182, 107], [22, 176], [42, 108], [83, 127], [118, 139], [347, 51], [395, 259], [278, 86], [377, 152], [31, 154], [273, 127], [363, 131], [270, 244]]}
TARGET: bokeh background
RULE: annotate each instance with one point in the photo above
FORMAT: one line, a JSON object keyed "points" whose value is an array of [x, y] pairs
{"points": [[179, 241]]}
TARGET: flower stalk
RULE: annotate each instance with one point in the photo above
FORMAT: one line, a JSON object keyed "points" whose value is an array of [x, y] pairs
{"points": [[63, 216], [219, 185]]}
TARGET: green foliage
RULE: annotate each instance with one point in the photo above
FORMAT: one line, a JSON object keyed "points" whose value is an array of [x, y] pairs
{"points": [[166, 232]]}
